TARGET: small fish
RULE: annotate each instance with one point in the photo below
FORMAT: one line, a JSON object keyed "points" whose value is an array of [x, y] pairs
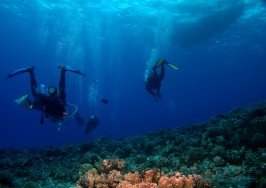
{"points": [[105, 101]]}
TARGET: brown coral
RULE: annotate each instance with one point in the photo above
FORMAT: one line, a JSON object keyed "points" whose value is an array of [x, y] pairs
{"points": [[139, 185], [112, 164], [165, 182], [114, 178], [189, 182], [150, 178], [124, 185], [177, 181], [133, 178]]}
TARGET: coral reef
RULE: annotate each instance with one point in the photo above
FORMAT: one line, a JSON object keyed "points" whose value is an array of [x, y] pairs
{"points": [[113, 164], [229, 150], [113, 177]]}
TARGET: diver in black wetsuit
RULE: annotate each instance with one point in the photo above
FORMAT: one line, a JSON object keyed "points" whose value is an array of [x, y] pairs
{"points": [[154, 80], [50, 101], [93, 122], [153, 83]]}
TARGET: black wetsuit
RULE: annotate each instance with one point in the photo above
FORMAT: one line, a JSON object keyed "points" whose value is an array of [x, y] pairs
{"points": [[53, 107], [52, 104], [92, 124], [153, 83]]}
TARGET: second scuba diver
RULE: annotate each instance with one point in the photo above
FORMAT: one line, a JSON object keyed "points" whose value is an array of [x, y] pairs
{"points": [[49, 100], [154, 80], [92, 123]]}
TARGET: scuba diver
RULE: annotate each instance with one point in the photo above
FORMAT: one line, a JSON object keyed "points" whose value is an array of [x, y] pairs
{"points": [[93, 122], [49, 100], [154, 80]]}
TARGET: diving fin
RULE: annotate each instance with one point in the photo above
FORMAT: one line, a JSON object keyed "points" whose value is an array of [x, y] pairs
{"points": [[77, 72], [20, 71], [68, 68], [25, 102], [162, 61], [172, 66]]}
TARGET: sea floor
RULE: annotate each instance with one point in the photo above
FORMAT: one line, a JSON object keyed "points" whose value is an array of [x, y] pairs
{"points": [[227, 151]]}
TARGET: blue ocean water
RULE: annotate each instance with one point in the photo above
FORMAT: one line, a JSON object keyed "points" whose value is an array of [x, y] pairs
{"points": [[219, 47]]}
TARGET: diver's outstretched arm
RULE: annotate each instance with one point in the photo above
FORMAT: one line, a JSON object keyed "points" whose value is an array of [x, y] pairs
{"points": [[33, 83], [62, 85]]}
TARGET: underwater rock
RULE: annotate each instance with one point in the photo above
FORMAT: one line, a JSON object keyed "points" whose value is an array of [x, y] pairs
{"points": [[214, 131], [218, 150], [257, 113], [90, 158], [218, 161], [235, 157], [190, 142], [258, 140], [127, 149], [140, 158], [86, 147], [193, 155], [6, 181], [54, 152], [148, 148]]}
